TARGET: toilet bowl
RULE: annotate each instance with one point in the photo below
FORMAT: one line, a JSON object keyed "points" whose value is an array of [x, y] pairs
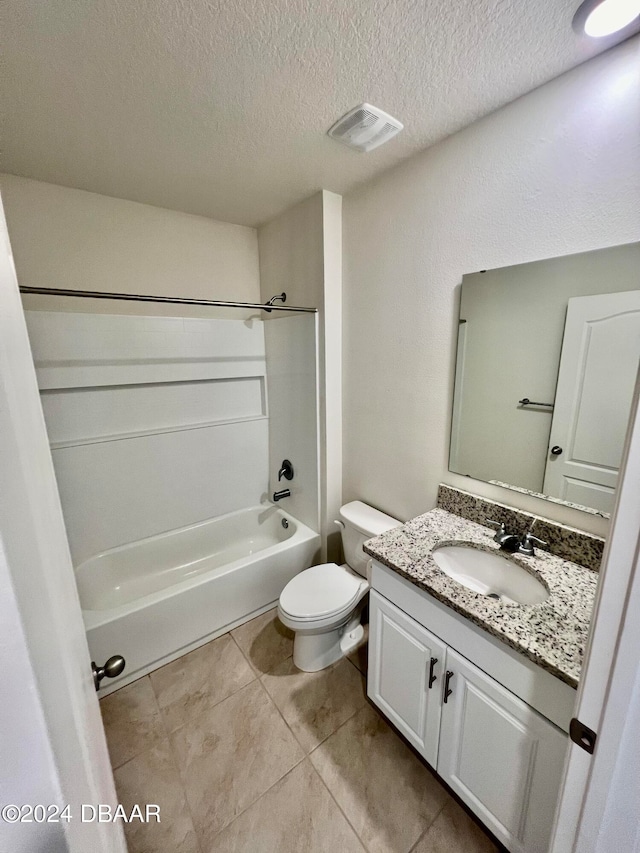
{"points": [[323, 605]]}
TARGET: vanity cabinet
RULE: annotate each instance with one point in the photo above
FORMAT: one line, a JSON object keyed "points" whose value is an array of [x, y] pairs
{"points": [[499, 755], [406, 677]]}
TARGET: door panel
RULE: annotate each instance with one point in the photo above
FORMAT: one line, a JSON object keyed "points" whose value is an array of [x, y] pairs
{"points": [[502, 758], [35, 553], [596, 378], [400, 655]]}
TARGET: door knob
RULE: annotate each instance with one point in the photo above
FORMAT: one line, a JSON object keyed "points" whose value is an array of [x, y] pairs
{"points": [[112, 668], [556, 450]]}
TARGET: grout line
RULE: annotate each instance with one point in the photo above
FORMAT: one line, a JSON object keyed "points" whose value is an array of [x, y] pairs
{"points": [[304, 748], [263, 794], [208, 707], [243, 653], [426, 830], [166, 742], [144, 749], [356, 667], [160, 714], [396, 734], [290, 770], [176, 765], [174, 759], [167, 739], [304, 757], [358, 711], [338, 806], [202, 712], [139, 754], [297, 763], [282, 717], [344, 722]]}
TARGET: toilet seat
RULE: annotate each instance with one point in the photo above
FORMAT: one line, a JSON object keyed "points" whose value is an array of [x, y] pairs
{"points": [[322, 591]]}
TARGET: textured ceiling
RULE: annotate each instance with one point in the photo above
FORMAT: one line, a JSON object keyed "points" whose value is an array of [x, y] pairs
{"points": [[220, 107]]}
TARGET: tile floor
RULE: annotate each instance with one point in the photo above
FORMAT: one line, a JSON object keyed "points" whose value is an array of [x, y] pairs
{"points": [[244, 754]]}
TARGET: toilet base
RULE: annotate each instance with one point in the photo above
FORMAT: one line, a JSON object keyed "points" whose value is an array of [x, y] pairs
{"points": [[313, 652]]}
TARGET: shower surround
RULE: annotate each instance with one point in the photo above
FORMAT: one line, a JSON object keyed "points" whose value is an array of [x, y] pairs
{"points": [[159, 431]]}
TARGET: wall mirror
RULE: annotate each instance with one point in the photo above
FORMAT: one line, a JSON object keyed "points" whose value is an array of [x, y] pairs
{"points": [[546, 367]]}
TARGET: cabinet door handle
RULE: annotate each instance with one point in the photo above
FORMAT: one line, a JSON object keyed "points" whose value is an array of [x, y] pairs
{"points": [[447, 680], [432, 677]]}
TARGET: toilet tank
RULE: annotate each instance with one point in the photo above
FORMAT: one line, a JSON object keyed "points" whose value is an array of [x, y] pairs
{"points": [[359, 523]]}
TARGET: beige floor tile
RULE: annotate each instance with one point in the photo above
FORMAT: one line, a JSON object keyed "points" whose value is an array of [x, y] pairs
{"points": [[153, 777], [265, 641], [315, 704], [297, 815], [199, 680], [230, 755], [131, 720], [453, 831], [388, 795]]}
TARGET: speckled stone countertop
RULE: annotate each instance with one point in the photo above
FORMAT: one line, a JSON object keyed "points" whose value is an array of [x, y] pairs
{"points": [[552, 634]]}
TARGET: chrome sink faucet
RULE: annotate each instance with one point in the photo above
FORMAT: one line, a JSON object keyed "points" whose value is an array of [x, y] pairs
{"points": [[511, 542]]}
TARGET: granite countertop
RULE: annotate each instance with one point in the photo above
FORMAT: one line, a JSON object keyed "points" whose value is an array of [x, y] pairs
{"points": [[552, 634]]}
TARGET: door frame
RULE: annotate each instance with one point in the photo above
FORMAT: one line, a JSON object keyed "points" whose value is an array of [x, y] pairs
{"points": [[611, 672], [50, 639]]}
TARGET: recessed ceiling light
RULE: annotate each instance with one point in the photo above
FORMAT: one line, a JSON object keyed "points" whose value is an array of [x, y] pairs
{"points": [[598, 18]]}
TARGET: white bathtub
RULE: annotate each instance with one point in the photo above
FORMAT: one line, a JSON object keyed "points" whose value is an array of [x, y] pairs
{"points": [[156, 599]]}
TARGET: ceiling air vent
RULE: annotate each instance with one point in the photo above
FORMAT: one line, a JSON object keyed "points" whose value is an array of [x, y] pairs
{"points": [[365, 128]]}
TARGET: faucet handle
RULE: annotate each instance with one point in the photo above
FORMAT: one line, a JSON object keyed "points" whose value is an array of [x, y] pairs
{"points": [[528, 540], [286, 470], [501, 531]]}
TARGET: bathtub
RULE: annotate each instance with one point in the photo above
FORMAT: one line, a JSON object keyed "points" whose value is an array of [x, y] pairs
{"points": [[156, 599]]}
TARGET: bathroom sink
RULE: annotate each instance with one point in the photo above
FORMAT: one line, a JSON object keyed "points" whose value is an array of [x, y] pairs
{"points": [[490, 574]]}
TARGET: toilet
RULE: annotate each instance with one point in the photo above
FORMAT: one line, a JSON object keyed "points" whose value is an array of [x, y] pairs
{"points": [[323, 605]]}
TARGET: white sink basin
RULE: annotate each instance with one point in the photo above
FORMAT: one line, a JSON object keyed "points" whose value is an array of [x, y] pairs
{"points": [[490, 574]]}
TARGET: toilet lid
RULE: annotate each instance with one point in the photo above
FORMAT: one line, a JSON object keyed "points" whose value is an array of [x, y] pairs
{"points": [[320, 591]]}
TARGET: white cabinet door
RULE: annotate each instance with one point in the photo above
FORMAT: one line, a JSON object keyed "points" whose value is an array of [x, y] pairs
{"points": [[406, 665], [503, 759]]}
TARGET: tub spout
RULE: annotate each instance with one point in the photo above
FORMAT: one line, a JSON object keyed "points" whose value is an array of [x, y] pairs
{"points": [[283, 493]]}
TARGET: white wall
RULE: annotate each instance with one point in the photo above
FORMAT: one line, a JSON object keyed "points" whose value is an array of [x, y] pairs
{"points": [[555, 172], [514, 330], [74, 239], [301, 253], [290, 341]]}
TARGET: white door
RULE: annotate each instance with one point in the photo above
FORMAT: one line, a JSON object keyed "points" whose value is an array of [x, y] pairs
{"points": [[598, 807], [406, 664], [598, 367], [500, 757], [43, 601]]}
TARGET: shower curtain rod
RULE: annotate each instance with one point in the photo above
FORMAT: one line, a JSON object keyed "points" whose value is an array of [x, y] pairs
{"points": [[174, 300]]}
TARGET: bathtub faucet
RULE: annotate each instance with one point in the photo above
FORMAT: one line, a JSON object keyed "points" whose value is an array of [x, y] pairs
{"points": [[286, 471], [283, 493]]}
